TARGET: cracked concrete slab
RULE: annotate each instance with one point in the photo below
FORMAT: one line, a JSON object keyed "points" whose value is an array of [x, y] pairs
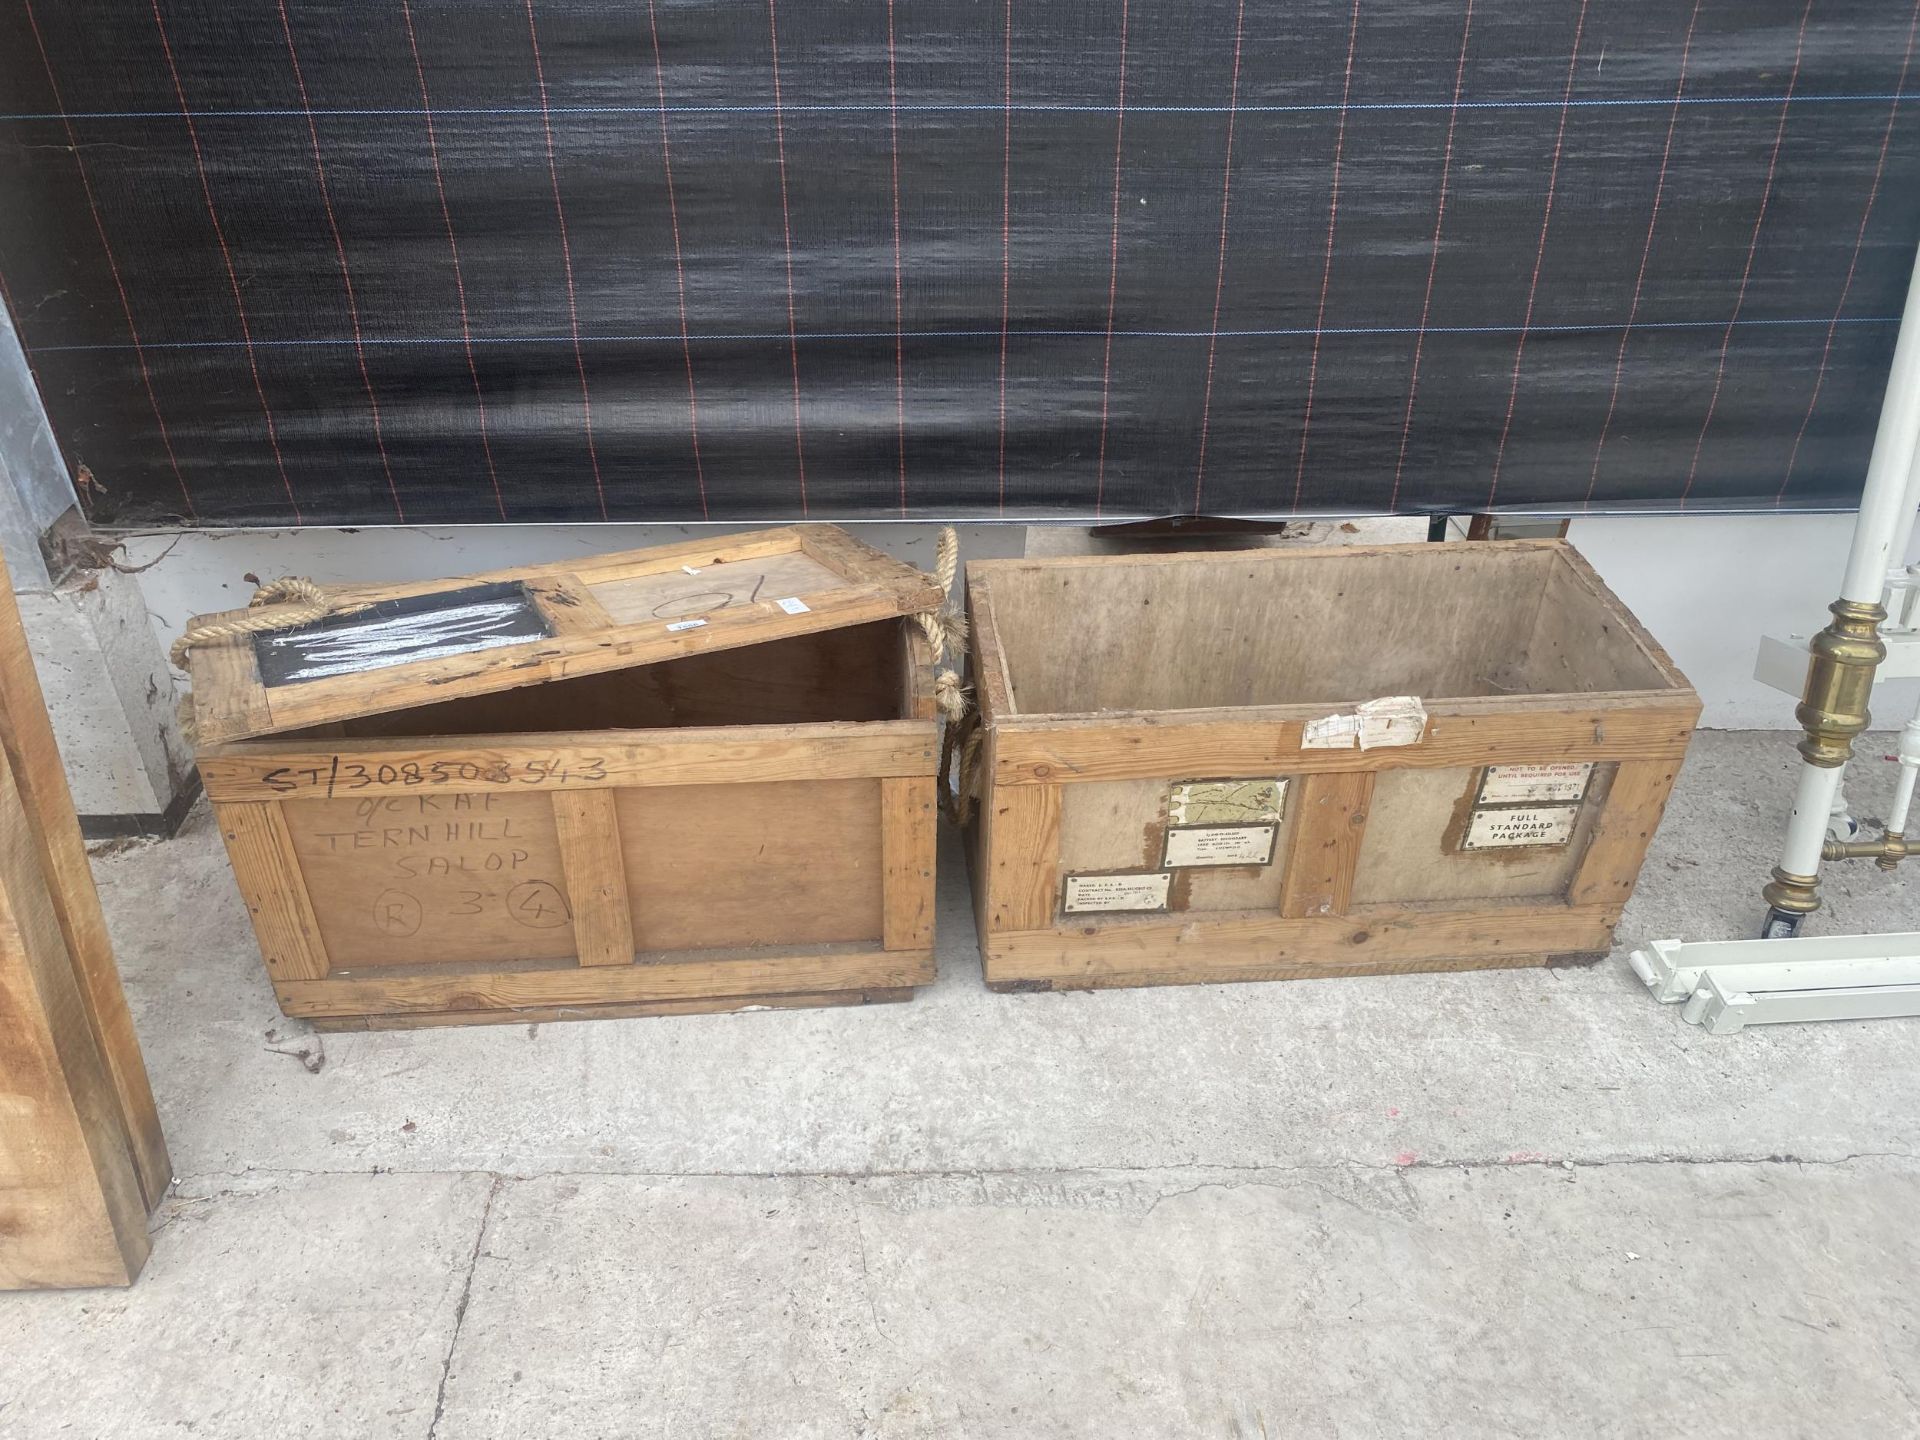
{"points": [[322, 1306], [1727, 1300]]}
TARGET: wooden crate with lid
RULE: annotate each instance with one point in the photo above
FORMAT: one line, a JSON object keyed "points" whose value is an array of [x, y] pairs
{"points": [[1277, 764], [689, 778]]}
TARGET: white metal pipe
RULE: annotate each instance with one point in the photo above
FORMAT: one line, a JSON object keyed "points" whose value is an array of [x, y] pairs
{"points": [[1807, 826], [1884, 514], [1909, 772], [1883, 518]]}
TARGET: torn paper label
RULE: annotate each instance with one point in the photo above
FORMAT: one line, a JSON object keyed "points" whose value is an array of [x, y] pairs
{"points": [[685, 625], [1392, 720], [1117, 892], [1227, 802], [1331, 732], [793, 605], [1518, 784], [1220, 845], [1520, 825]]}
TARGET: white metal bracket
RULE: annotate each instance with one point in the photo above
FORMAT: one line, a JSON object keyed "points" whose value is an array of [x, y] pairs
{"points": [[1727, 985], [1782, 660]]}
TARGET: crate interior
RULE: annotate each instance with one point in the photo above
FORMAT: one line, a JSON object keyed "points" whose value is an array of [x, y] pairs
{"points": [[857, 673], [1437, 621]]}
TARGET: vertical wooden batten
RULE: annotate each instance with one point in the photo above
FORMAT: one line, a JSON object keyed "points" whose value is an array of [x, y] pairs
{"points": [[1330, 820], [82, 1159], [275, 891], [907, 839], [1024, 869], [596, 875], [1636, 800]]}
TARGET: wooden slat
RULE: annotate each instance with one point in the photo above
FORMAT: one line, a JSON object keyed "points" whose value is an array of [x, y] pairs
{"points": [[916, 674], [1333, 554], [570, 608], [596, 876], [853, 559], [227, 696], [574, 985], [288, 769], [907, 837], [26, 739], [1032, 751], [1329, 821], [1629, 816], [551, 1014], [265, 864], [1188, 950], [592, 569], [993, 687], [1023, 860], [71, 1208]]}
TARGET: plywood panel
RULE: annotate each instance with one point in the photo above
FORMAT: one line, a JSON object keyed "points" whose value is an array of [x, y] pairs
{"points": [[729, 585], [1410, 852], [787, 863], [434, 879], [1263, 628]]}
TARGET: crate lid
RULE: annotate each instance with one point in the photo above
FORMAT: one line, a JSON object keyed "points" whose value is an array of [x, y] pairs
{"points": [[392, 647]]}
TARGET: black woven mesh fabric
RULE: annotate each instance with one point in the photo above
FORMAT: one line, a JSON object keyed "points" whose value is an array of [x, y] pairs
{"points": [[479, 260]]}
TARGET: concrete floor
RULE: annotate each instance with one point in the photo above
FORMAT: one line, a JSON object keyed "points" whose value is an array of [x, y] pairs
{"points": [[1524, 1203]]}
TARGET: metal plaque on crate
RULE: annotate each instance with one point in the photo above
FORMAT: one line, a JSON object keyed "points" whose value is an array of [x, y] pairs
{"points": [[1219, 845], [1117, 892], [1534, 784], [1513, 826]]}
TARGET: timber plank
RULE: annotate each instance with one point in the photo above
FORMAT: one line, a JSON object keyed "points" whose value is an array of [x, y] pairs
{"points": [[1324, 944], [907, 839], [547, 1015], [71, 1208], [27, 741], [1024, 862], [596, 877], [1328, 826], [1059, 751], [274, 889], [630, 984], [1635, 802], [372, 766]]}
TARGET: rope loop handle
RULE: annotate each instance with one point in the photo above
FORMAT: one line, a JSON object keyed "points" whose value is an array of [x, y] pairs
{"points": [[946, 630], [961, 742], [283, 604]]}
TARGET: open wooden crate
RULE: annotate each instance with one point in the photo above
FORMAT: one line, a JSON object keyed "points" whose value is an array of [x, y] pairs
{"points": [[1164, 796], [691, 778]]}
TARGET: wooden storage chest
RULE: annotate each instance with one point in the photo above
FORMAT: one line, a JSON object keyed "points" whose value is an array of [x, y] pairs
{"points": [[1170, 787], [692, 778]]}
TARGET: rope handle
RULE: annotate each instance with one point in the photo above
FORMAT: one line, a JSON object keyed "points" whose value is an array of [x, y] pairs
{"points": [[961, 741], [283, 604], [945, 628]]}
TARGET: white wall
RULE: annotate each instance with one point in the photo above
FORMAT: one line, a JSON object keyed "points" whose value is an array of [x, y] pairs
{"points": [[1706, 586], [1709, 586]]}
